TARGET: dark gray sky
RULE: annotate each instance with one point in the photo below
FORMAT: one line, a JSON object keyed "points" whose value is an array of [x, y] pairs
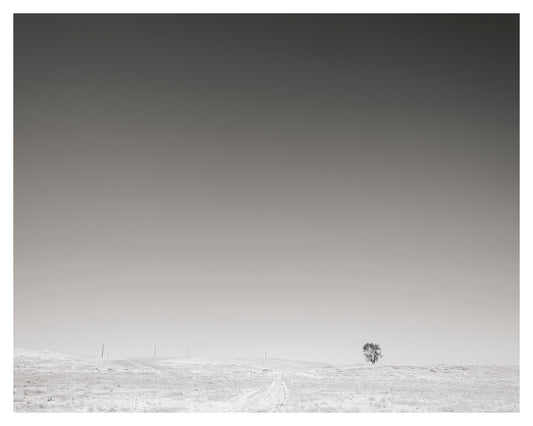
{"points": [[296, 184]]}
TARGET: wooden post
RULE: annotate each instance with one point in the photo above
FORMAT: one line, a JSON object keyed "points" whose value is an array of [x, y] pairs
{"points": [[155, 349], [102, 351]]}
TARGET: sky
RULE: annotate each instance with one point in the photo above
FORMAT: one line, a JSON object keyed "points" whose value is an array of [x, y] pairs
{"points": [[299, 185]]}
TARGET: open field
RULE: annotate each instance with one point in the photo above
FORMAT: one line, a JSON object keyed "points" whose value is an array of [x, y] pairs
{"points": [[49, 381]]}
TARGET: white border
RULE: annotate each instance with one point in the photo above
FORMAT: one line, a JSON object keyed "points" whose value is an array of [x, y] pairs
{"points": [[272, 6]]}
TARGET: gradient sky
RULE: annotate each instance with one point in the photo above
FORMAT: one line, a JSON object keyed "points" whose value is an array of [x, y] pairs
{"points": [[295, 184]]}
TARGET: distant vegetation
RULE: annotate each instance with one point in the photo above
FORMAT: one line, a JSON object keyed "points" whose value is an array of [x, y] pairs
{"points": [[372, 352]]}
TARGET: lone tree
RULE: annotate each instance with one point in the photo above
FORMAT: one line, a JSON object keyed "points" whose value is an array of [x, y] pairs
{"points": [[372, 352]]}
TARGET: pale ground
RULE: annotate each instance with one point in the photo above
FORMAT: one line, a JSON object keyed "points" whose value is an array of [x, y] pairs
{"points": [[49, 381]]}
